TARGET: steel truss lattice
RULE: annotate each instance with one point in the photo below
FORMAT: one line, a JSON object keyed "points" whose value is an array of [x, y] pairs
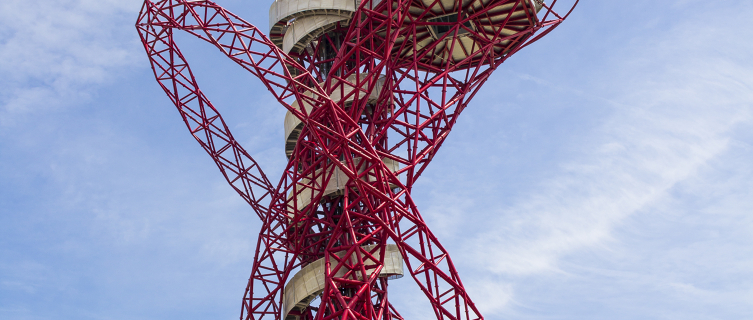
{"points": [[371, 97]]}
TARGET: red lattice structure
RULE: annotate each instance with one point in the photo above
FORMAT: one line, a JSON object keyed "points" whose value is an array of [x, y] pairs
{"points": [[372, 90]]}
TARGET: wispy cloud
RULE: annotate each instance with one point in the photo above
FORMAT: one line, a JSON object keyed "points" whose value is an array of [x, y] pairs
{"points": [[677, 103], [53, 52]]}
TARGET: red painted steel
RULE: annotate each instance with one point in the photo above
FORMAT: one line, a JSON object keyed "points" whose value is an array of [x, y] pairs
{"points": [[425, 88]]}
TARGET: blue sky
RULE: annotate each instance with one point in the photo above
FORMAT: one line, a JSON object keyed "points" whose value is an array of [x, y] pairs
{"points": [[606, 172]]}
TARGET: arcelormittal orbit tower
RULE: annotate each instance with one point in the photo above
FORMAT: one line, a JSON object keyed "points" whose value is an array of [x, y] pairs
{"points": [[372, 89]]}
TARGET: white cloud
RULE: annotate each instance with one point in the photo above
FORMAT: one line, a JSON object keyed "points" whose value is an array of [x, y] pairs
{"points": [[53, 52], [678, 102]]}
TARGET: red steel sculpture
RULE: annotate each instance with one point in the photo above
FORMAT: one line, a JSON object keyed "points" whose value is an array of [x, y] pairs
{"points": [[372, 89]]}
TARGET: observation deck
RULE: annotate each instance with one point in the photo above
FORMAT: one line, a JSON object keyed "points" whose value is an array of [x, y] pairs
{"points": [[446, 34]]}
